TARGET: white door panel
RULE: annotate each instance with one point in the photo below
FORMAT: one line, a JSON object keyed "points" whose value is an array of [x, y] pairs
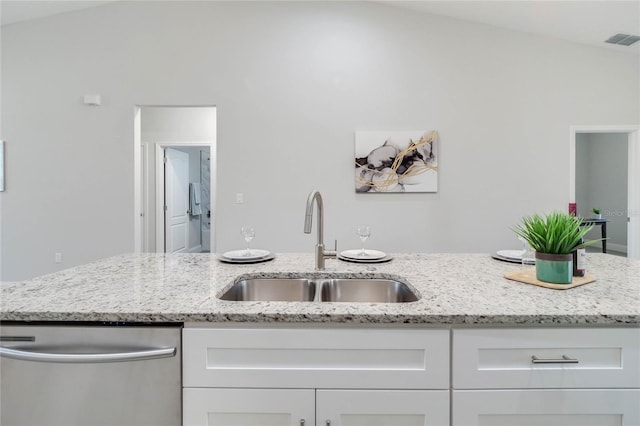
{"points": [[382, 407], [566, 407], [248, 407], [176, 200]]}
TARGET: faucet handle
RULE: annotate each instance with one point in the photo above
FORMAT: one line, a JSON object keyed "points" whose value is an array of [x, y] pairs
{"points": [[334, 252]]}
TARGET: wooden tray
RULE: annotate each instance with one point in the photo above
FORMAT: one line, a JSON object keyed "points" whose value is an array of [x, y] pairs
{"points": [[528, 276]]}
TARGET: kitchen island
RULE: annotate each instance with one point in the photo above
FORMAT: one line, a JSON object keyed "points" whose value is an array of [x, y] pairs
{"points": [[476, 348], [453, 289]]}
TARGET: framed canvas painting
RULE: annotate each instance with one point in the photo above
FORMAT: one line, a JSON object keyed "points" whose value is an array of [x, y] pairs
{"points": [[396, 161]]}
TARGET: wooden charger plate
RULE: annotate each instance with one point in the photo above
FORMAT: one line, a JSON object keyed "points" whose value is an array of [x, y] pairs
{"points": [[528, 276]]}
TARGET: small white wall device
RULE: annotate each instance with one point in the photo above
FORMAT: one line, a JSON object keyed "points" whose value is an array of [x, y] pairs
{"points": [[92, 100]]}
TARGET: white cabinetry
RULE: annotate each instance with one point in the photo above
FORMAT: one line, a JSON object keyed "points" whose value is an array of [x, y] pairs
{"points": [[382, 407], [248, 407], [548, 377], [337, 377], [403, 377], [316, 358], [566, 407], [309, 407]]}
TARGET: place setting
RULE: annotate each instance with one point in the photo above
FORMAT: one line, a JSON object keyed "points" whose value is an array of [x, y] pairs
{"points": [[526, 256], [363, 255], [247, 255]]}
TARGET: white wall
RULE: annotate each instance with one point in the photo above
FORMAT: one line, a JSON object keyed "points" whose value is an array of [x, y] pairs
{"points": [[171, 124], [292, 82], [583, 155], [602, 181]]}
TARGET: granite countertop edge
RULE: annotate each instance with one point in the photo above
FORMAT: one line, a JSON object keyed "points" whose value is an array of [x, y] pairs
{"points": [[284, 318], [455, 290]]}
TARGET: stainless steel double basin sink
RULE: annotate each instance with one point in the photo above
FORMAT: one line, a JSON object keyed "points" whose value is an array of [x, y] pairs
{"points": [[353, 290]]}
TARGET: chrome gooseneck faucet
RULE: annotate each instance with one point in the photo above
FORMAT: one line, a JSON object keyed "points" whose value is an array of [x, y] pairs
{"points": [[321, 254]]}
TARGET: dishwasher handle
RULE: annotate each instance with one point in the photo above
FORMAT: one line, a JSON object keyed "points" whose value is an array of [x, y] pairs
{"points": [[72, 358]]}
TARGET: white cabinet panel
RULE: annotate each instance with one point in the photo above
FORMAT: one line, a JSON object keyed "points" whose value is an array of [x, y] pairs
{"points": [[307, 407], [316, 358], [569, 407], [382, 408], [248, 407], [564, 358]]}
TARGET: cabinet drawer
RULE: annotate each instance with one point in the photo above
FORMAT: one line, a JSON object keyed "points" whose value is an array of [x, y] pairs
{"points": [[546, 358], [303, 358]]}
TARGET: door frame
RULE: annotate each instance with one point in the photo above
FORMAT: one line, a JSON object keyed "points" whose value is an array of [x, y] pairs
{"points": [[139, 180], [633, 177]]}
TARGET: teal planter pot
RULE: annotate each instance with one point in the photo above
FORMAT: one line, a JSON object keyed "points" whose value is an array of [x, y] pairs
{"points": [[554, 268]]}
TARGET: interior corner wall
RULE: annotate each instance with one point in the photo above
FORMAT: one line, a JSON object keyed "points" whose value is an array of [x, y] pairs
{"points": [[583, 156], [292, 82]]}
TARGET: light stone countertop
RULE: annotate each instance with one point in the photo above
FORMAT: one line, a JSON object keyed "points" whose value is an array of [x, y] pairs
{"points": [[454, 288]]}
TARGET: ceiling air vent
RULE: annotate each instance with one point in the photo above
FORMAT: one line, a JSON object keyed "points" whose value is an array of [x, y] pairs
{"points": [[622, 39]]}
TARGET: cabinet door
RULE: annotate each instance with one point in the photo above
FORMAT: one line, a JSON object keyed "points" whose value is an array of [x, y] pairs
{"points": [[248, 407], [382, 408], [575, 407]]}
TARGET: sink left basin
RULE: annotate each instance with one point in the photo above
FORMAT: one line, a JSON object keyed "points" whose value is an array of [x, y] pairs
{"points": [[271, 290]]}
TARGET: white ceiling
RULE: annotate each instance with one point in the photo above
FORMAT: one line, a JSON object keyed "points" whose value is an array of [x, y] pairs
{"points": [[583, 21], [588, 22], [13, 11]]}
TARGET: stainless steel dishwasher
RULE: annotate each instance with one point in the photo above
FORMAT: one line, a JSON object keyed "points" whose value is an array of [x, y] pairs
{"points": [[90, 374]]}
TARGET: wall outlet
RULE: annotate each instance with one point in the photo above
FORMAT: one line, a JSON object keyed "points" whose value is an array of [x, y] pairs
{"points": [[59, 257], [239, 198]]}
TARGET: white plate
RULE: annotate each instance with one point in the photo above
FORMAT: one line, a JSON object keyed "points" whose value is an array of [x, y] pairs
{"points": [[357, 254], [362, 260], [512, 260], [242, 254], [511, 254], [246, 261]]}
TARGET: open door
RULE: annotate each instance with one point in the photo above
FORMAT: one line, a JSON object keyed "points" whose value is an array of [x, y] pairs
{"points": [[176, 196]]}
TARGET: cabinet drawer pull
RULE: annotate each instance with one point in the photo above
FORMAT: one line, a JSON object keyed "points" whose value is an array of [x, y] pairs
{"points": [[301, 422], [328, 423], [564, 360]]}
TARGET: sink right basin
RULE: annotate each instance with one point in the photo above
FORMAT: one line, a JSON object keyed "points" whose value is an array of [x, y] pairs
{"points": [[366, 290]]}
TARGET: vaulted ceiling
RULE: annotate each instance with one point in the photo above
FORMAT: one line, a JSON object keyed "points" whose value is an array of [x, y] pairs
{"points": [[587, 22]]}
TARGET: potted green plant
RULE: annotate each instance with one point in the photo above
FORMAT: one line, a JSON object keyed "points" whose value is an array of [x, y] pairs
{"points": [[554, 237], [596, 212]]}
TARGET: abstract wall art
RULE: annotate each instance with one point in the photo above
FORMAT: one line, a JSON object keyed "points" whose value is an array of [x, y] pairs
{"points": [[396, 161]]}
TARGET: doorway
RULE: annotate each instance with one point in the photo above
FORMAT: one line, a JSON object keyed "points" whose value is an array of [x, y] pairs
{"points": [[182, 203], [609, 153], [175, 192]]}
